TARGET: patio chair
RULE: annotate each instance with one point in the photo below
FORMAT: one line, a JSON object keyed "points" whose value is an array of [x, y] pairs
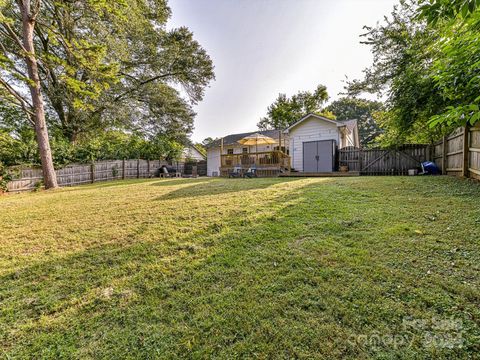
{"points": [[251, 173], [235, 173]]}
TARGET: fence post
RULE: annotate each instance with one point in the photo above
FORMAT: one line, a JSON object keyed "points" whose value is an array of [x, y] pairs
{"points": [[148, 168], [138, 168], [444, 156], [360, 159], [123, 169], [92, 172], [428, 153], [466, 151]]}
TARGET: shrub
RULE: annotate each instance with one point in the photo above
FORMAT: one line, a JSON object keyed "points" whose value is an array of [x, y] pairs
{"points": [[5, 177]]}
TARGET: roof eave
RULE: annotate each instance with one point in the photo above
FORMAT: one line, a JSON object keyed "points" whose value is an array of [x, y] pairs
{"points": [[309, 115]]}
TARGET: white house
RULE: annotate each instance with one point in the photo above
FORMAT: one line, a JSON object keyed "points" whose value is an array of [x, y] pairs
{"points": [[190, 152], [232, 147], [309, 145]]}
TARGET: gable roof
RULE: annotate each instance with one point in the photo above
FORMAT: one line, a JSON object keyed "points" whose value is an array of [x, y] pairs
{"points": [[233, 138], [192, 146], [349, 123]]}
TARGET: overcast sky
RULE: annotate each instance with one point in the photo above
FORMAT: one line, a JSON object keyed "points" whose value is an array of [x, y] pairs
{"points": [[261, 48]]}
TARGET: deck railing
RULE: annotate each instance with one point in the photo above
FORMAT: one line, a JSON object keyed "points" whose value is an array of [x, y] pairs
{"points": [[265, 159]]}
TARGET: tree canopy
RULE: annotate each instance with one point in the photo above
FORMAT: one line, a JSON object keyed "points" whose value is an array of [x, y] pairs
{"points": [[435, 10], [287, 110], [401, 69], [426, 57], [456, 68], [109, 64], [364, 111]]}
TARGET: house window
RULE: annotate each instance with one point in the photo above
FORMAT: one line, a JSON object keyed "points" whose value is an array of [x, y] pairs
{"points": [[230, 151], [245, 150]]}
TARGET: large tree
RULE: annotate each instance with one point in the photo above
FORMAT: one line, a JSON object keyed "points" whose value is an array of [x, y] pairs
{"points": [[111, 64], [401, 72], [363, 111], [426, 57], [20, 62], [287, 110]]}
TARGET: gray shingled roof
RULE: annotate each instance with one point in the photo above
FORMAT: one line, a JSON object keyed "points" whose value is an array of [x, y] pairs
{"points": [[232, 139]]}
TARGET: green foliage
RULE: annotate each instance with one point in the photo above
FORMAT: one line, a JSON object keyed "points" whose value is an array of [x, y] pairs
{"points": [[21, 148], [17, 138], [435, 10], [392, 135], [113, 145], [287, 110], [39, 185], [207, 141], [402, 71], [426, 61], [201, 148], [110, 64], [4, 177], [9, 147], [363, 111], [456, 71]]}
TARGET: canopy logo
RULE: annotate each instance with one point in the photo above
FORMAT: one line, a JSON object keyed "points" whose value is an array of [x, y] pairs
{"points": [[432, 333]]}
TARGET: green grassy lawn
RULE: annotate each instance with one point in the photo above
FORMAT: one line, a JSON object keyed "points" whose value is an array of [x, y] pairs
{"points": [[367, 267]]}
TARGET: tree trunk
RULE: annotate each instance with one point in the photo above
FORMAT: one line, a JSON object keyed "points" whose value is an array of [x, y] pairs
{"points": [[41, 132]]}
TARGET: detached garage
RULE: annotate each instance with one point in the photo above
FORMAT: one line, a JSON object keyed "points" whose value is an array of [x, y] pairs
{"points": [[313, 141]]}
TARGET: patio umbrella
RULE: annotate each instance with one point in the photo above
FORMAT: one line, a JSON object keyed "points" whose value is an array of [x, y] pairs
{"points": [[256, 139]]}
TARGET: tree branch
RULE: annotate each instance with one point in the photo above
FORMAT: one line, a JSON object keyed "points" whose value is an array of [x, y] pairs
{"points": [[141, 83], [14, 36], [22, 102]]}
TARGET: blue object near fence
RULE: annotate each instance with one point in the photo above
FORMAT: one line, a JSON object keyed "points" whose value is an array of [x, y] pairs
{"points": [[430, 168]]}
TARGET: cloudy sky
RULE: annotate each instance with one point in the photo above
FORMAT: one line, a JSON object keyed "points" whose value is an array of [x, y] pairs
{"points": [[261, 48]]}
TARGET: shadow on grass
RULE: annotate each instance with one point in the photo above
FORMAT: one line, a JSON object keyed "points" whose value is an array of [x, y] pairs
{"points": [[284, 282], [174, 182], [214, 187], [107, 184], [100, 288]]}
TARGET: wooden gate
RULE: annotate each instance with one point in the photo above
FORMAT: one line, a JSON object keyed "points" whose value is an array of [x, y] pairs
{"points": [[383, 161], [201, 167]]}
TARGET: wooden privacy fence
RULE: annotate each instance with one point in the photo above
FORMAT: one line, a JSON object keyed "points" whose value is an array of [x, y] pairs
{"points": [[384, 161], [29, 178], [459, 153], [201, 167]]}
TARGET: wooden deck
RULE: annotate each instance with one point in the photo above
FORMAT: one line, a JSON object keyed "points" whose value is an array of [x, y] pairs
{"points": [[321, 174], [267, 163]]}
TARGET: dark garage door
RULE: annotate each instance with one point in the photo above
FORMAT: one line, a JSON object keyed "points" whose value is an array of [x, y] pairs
{"points": [[318, 156]]}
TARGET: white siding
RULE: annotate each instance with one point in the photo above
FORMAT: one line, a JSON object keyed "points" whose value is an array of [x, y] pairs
{"points": [[213, 161], [312, 129], [192, 153]]}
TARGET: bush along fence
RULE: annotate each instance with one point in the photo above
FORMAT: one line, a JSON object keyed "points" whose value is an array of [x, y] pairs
{"points": [[31, 178], [458, 154], [384, 161]]}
